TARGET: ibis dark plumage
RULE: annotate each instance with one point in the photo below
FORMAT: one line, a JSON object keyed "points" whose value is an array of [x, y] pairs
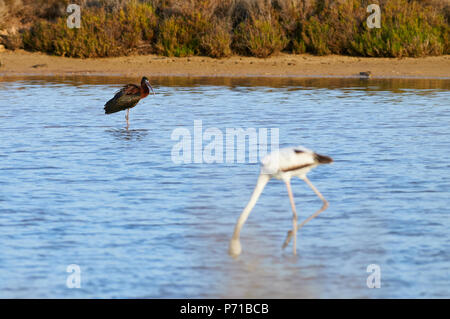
{"points": [[128, 97]]}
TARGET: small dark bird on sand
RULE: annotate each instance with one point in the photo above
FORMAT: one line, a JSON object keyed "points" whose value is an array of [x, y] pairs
{"points": [[365, 75], [127, 97]]}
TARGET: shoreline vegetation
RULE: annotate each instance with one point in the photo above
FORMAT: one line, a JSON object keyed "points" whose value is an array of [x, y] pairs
{"points": [[227, 28]]}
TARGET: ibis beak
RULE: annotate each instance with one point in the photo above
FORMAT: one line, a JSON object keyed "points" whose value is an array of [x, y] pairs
{"points": [[150, 86]]}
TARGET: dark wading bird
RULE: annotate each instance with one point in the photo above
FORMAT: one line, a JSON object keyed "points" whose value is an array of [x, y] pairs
{"points": [[127, 97]]}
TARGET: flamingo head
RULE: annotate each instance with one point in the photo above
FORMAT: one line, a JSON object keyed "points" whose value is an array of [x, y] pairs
{"points": [[235, 248]]}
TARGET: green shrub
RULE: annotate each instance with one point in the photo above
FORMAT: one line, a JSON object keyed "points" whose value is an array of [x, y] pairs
{"points": [[315, 37], [101, 33], [177, 38], [137, 24], [260, 38], [328, 29], [216, 42], [194, 28], [219, 28], [407, 29]]}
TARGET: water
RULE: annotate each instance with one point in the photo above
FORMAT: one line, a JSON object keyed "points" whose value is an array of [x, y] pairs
{"points": [[77, 188]]}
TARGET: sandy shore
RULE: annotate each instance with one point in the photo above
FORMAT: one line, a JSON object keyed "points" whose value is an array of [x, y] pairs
{"points": [[26, 63]]}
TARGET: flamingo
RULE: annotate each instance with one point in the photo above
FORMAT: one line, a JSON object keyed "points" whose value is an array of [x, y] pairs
{"points": [[128, 97], [282, 164]]}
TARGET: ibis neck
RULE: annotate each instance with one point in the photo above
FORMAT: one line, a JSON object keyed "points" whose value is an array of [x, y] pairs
{"points": [[145, 90]]}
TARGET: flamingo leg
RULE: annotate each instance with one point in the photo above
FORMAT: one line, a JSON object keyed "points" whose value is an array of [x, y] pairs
{"points": [[294, 218], [324, 207], [127, 116]]}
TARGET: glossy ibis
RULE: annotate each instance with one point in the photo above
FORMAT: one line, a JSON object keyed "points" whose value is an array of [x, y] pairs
{"points": [[283, 164], [127, 97]]}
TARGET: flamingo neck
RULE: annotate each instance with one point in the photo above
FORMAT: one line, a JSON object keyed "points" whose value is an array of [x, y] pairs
{"points": [[260, 184]]}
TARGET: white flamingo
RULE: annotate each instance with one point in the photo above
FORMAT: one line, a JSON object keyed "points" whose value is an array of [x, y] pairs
{"points": [[282, 164]]}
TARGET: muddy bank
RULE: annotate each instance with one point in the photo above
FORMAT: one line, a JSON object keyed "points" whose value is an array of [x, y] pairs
{"points": [[283, 65]]}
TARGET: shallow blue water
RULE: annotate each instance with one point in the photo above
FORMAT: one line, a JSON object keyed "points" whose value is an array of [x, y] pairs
{"points": [[77, 188]]}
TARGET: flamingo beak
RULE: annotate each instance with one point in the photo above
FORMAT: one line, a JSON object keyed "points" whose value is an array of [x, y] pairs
{"points": [[150, 86]]}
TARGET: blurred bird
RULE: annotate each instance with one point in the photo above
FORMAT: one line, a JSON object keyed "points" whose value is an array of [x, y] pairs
{"points": [[365, 75], [282, 164], [127, 98]]}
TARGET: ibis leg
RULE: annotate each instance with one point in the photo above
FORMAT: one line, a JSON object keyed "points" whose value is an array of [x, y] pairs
{"points": [[127, 116]]}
